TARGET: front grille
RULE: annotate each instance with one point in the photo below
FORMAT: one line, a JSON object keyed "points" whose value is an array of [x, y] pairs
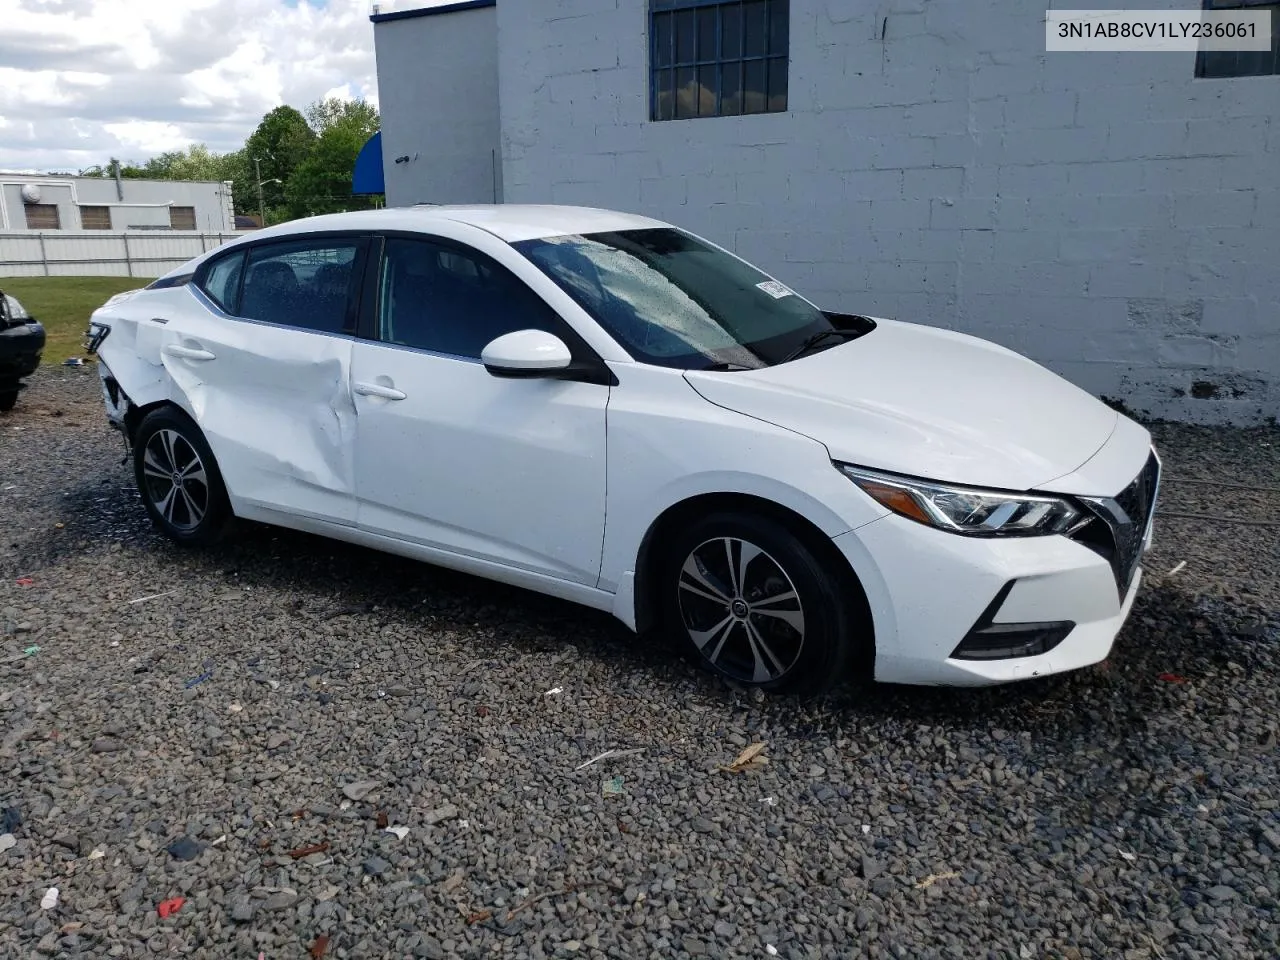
{"points": [[1122, 522]]}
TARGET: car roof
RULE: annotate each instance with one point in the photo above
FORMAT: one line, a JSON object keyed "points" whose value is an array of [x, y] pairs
{"points": [[511, 222]]}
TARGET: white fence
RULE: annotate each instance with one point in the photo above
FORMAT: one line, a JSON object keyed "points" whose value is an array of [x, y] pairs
{"points": [[105, 254]]}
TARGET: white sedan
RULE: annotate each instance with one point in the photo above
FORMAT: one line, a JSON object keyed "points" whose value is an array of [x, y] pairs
{"points": [[605, 408]]}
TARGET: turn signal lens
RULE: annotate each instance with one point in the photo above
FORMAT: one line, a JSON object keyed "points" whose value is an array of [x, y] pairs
{"points": [[897, 500]]}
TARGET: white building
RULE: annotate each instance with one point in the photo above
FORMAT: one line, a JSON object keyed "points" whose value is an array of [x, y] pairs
{"points": [[52, 203], [1114, 216]]}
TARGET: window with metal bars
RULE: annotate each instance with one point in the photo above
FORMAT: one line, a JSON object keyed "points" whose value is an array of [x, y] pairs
{"points": [[182, 218], [95, 218], [42, 216], [712, 58], [1221, 64]]}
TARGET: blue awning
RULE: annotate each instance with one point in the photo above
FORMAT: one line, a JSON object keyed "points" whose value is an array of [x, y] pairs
{"points": [[367, 177]]}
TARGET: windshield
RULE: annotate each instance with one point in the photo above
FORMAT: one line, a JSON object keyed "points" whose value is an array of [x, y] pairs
{"points": [[675, 301]]}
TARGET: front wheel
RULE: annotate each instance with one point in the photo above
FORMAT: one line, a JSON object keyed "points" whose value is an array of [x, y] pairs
{"points": [[758, 604], [179, 479], [8, 397]]}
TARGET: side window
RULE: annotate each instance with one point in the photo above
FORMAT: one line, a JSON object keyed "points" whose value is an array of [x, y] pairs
{"points": [[304, 284], [222, 281], [439, 298]]}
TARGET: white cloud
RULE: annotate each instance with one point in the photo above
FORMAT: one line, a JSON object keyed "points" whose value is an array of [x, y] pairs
{"points": [[84, 80], [148, 136]]}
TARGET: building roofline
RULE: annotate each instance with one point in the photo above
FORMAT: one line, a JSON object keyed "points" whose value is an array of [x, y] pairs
{"points": [[432, 11], [9, 174]]}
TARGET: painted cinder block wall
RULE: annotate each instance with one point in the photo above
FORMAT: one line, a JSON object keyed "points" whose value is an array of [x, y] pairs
{"points": [[1107, 214], [438, 96]]}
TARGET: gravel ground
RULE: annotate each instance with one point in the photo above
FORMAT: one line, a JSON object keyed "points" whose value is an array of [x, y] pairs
{"points": [[1130, 810]]}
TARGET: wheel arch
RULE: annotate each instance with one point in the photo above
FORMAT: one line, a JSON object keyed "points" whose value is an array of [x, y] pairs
{"points": [[137, 413], [655, 543]]}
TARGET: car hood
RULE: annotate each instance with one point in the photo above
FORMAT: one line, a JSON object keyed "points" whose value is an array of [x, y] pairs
{"points": [[926, 402]]}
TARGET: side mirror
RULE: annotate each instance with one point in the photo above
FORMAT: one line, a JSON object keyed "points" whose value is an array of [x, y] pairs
{"points": [[526, 353]]}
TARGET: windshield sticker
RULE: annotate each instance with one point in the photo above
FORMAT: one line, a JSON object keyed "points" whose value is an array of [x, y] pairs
{"points": [[775, 289]]}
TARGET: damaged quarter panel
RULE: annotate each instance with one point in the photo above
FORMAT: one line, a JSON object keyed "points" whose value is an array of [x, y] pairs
{"points": [[128, 354]]}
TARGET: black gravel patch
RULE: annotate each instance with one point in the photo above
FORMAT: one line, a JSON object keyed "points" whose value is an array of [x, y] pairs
{"points": [[218, 702]]}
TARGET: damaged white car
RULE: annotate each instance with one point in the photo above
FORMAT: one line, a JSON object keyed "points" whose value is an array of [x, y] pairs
{"points": [[607, 409]]}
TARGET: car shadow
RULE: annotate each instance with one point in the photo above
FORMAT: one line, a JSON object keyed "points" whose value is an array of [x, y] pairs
{"points": [[1172, 636]]}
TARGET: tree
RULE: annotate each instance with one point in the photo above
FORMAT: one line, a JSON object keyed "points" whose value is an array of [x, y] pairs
{"points": [[275, 150], [322, 182], [196, 162], [324, 114]]}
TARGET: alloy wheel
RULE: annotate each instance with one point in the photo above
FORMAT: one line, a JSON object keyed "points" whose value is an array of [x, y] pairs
{"points": [[175, 480], [741, 610]]}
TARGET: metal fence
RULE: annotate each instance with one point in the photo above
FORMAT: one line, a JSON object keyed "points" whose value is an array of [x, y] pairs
{"points": [[82, 254]]}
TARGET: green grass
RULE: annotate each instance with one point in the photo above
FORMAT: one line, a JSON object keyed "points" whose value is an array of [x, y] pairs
{"points": [[63, 305]]}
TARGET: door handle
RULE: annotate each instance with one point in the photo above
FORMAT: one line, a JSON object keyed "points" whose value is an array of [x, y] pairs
{"points": [[187, 353], [378, 390]]}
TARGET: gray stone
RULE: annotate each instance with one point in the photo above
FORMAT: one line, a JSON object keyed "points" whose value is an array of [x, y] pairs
{"points": [[376, 866], [185, 848], [429, 947], [360, 789], [281, 900], [440, 814], [327, 908], [242, 909]]}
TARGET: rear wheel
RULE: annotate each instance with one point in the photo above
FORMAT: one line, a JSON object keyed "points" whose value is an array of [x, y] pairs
{"points": [[179, 479], [8, 397], [758, 604]]}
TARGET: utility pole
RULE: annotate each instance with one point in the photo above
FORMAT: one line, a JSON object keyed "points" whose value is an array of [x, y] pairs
{"points": [[257, 175]]}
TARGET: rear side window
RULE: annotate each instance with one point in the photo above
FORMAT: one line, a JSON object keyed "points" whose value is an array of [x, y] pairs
{"points": [[454, 302], [307, 284], [222, 281]]}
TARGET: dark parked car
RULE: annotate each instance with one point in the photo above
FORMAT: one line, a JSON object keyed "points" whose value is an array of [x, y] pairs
{"points": [[21, 342]]}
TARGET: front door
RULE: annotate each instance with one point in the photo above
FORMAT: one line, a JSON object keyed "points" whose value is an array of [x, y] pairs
{"points": [[449, 456]]}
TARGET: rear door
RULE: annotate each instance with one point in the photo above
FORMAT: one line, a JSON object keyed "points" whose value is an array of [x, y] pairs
{"points": [[263, 360]]}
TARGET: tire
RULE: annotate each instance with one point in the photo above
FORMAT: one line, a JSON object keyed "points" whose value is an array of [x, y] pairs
{"points": [[8, 398], [794, 628], [169, 447]]}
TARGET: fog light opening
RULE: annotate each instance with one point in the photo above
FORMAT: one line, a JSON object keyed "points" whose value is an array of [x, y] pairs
{"points": [[988, 640]]}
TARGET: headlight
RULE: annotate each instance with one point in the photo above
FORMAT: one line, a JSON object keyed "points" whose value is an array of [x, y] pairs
{"points": [[969, 511]]}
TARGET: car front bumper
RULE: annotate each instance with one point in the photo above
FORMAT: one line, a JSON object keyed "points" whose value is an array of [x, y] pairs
{"points": [[930, 590], [20, 349]]}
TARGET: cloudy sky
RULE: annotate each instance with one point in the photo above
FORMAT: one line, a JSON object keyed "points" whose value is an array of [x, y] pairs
{"points": [[84, 80]]}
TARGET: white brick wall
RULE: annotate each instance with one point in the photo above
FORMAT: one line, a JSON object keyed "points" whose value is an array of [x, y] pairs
{"points": [[1109, 215]]}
